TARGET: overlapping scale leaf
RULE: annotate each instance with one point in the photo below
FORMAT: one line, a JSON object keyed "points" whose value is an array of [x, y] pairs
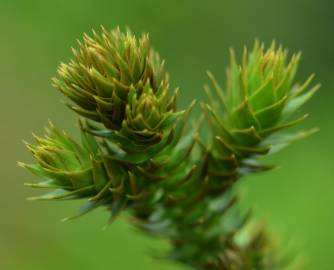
{"points": [[149, 114], [64, 165], [260, 97], [79, 171], [104, 68]]}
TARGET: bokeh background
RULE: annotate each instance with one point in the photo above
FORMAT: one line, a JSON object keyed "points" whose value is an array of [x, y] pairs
{"points": [[296, 201]]}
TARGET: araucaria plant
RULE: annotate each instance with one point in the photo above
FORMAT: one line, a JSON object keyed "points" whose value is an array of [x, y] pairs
{"points": [[139, 153]]}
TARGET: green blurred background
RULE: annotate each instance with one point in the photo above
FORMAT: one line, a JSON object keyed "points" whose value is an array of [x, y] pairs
{"points": [[295, 201]]}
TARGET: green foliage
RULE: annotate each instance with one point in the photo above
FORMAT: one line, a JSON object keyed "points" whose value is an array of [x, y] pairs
{"points": [[139, 153]]}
